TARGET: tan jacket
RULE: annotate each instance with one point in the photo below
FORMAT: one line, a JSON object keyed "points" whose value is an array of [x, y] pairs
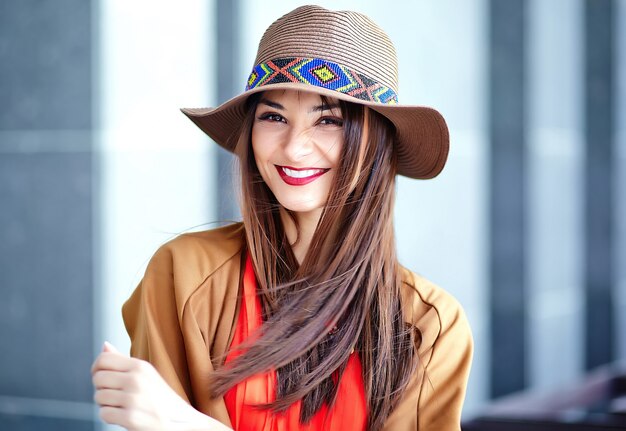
{"points": [[183, 314]]}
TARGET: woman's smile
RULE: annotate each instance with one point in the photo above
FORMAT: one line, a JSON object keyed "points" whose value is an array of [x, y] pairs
{"points": [[299, 176]]}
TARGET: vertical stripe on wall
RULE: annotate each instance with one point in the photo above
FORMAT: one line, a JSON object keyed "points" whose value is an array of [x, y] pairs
{"points": [[599, 115], [227, 46], [554, 202], [154, 174], [507, 221], [620, 179], [46, 232]]}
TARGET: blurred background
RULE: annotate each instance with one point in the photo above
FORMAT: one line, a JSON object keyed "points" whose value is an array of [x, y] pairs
{"points": [[526, 226]]}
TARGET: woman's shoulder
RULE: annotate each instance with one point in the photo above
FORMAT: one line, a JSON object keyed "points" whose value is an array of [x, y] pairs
{"points": [[214, 245], [224, 240], [445, 356], [433, 311], [187, 295], [191, 258]]}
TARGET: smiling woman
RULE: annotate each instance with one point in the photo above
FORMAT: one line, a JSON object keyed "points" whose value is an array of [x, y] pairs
{"points": [[300, 317]]}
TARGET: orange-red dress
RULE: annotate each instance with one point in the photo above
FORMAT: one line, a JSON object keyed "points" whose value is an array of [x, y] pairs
{"points": [[347, 414]]}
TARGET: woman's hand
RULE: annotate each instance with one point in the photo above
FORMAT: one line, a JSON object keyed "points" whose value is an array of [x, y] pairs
{"points": [[132, 394]]}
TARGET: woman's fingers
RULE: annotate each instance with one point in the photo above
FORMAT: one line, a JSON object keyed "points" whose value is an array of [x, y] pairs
{"points": [[140, 400], [105, 379], [110, 415], [111, 398], [120, 408], [140, 376], [108, 361], [113, 361], [108, 347], [114, 415]]}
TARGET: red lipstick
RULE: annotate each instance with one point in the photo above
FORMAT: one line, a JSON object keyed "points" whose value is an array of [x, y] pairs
{"points": [[299, 176]]}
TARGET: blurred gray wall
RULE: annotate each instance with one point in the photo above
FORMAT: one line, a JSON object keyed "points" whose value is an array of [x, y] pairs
{"points": [[46, 231]]}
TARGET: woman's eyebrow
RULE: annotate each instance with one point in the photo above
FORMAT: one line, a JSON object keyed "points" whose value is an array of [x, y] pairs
{"points": [[325, 107], [318, 108], [272, 104]]}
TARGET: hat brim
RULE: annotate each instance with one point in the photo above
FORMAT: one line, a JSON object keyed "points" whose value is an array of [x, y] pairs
{"points": [[422, 134]]}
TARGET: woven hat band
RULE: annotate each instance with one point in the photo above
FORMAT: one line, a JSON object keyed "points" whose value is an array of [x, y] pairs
{"points": [[321, 73]]}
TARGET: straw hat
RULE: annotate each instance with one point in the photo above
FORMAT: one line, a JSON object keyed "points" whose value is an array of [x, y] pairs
{"points": [[340, 54]]}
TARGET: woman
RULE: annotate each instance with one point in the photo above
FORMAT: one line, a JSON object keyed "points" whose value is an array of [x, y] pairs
{"points": [[300, 318]]}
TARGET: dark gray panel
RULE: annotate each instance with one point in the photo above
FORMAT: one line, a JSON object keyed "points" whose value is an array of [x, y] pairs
{"points": [[34, 423], [507, 221], [599, 114], [227, 29], [46, 323], [45, 64]]}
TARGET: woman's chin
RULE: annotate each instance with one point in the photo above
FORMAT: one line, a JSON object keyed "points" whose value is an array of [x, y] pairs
{"points": [[302, 208]]}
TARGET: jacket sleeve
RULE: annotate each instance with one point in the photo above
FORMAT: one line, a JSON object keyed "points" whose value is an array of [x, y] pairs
{"points": [[446, 373], [151, 317]]}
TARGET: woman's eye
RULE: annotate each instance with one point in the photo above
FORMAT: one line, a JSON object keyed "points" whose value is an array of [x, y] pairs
{"points": [[333, 121], [272, 117]]}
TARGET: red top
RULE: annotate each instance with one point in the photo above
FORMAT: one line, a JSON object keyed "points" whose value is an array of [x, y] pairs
{"points": [[348, 413]]}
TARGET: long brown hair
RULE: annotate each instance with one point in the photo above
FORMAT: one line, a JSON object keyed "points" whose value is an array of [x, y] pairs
{"points": [[349, 278]]}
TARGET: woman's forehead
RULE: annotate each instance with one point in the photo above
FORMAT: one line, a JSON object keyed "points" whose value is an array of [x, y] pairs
{"points": [[289, 97]]}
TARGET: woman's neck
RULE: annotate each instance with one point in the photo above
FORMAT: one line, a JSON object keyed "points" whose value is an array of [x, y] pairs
{"points": [[307, 223]]}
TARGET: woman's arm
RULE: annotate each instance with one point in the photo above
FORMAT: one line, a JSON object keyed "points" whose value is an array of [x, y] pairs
{"points": [[152, 389], [132, 394]]}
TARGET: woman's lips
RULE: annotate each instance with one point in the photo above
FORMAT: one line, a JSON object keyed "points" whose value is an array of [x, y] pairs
{"points": [[299, 176]]}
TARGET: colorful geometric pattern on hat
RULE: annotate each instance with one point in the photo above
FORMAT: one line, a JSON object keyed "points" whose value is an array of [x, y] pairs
{"points": [[321, 73]]}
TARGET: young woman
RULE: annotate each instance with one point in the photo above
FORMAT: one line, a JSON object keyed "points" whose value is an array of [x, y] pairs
{"points": [[300, 318]]}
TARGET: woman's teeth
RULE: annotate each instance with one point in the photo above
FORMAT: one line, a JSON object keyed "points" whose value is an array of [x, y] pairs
{"points": [[303, 173]]}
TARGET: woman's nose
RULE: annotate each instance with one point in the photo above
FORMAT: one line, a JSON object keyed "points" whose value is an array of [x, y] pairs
{"points": [[299, 144]]}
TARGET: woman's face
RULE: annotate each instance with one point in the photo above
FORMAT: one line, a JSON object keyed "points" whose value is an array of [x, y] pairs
{"points": [[297, 141]]}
